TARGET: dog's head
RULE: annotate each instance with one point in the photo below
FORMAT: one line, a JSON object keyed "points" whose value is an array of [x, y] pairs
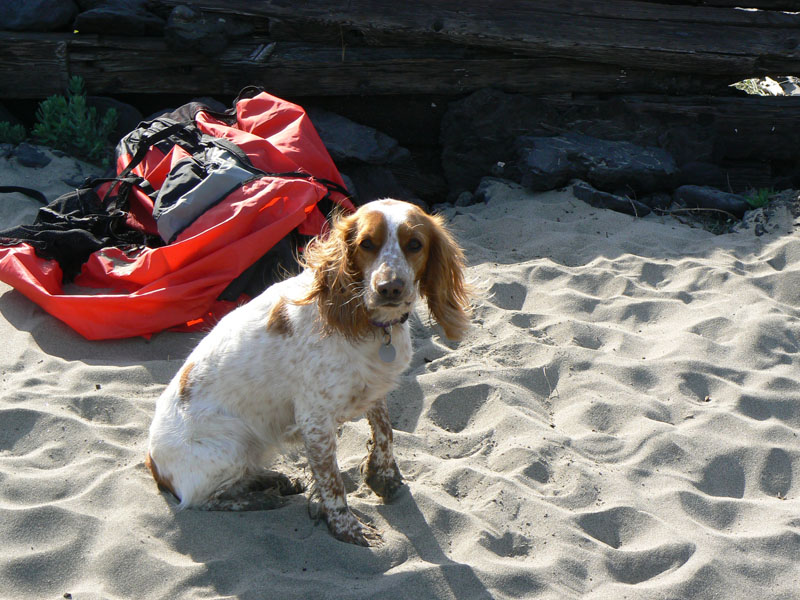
{"points": [[374, 262]]}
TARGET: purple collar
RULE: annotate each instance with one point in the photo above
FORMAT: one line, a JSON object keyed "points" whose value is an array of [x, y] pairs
{"points": [[388, 324]]}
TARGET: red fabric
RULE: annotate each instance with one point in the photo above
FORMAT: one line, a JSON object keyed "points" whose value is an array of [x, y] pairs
{"points": [[176, 285]]}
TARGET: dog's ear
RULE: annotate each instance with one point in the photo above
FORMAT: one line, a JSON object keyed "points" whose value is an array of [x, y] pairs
{"points": [[443, 284], [336, 278]]}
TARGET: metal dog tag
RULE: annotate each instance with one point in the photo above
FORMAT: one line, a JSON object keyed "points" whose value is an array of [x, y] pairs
{"points": [[387, 353]]}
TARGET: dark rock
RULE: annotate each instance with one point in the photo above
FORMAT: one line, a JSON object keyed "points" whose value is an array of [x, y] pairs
{"points": [[37, 15], [695, 196], [465, 199], [584, 191], [549, 162], [30, 156], [6, 150], [119, 18], [488, 187], [128, 116], [543, 163], [349, 141], [659, 201]]}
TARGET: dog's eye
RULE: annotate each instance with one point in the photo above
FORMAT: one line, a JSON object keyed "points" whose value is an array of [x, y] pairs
{"points": [[414, 245], [367, 244]]}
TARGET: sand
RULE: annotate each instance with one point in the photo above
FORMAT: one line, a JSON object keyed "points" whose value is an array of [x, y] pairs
{"points": [[621, 422]]}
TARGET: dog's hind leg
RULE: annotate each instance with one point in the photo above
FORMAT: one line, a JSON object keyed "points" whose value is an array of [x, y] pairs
{"points": [[232, 500], [379, 467], [262, 490]]}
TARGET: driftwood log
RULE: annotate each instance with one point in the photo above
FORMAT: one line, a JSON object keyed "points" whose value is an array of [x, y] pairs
{"points": [[630, 34], [452, 47], [115, 65]]}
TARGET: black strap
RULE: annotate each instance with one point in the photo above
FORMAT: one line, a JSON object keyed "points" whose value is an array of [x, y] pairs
{"points": [[122, 181], [151, 140], [31, 193]]}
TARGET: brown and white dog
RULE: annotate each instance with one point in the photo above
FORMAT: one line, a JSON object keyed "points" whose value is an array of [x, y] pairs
{"points": [[306, 355]]}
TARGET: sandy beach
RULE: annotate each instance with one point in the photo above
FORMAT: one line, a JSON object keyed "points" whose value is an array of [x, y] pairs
{"points": [[621, 422]]}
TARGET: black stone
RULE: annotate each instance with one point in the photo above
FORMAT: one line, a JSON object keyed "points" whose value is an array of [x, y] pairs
{"points": [[549, 162], [695, 196], [584, 191], [348, 141], [29, 156], [660, 201]]}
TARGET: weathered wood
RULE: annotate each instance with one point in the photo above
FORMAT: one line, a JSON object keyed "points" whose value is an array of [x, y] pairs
{"points": [[786, 5], [621, 32], [120, 65]]}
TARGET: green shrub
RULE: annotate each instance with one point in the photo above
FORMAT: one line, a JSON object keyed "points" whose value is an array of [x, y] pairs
{"points": [[69, 124], [759, 198], [12, 134]]}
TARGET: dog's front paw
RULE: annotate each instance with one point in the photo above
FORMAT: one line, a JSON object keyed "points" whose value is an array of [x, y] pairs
{"points": [[385, 482], [346, 527]]}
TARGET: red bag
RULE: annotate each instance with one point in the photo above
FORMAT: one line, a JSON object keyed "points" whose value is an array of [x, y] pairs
{"points": [[280, 172]]}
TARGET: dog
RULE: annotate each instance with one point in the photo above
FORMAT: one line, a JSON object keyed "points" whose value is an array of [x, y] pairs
{"points": [[309, 353]]}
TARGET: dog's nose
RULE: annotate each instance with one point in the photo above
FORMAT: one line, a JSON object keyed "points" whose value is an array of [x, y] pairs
{"points": [[391, 289]]}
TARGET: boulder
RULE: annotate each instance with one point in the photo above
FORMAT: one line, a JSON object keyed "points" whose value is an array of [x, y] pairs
{"points": [[549, 162], [348, 141], [31, 156]]}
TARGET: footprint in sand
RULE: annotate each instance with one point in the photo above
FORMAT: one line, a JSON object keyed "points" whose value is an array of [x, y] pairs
{"points": [[508, 545], [716, 514], [631, 556], [761, 409], [453, 411], [509, 296], [723, 477], [776, 475]]}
